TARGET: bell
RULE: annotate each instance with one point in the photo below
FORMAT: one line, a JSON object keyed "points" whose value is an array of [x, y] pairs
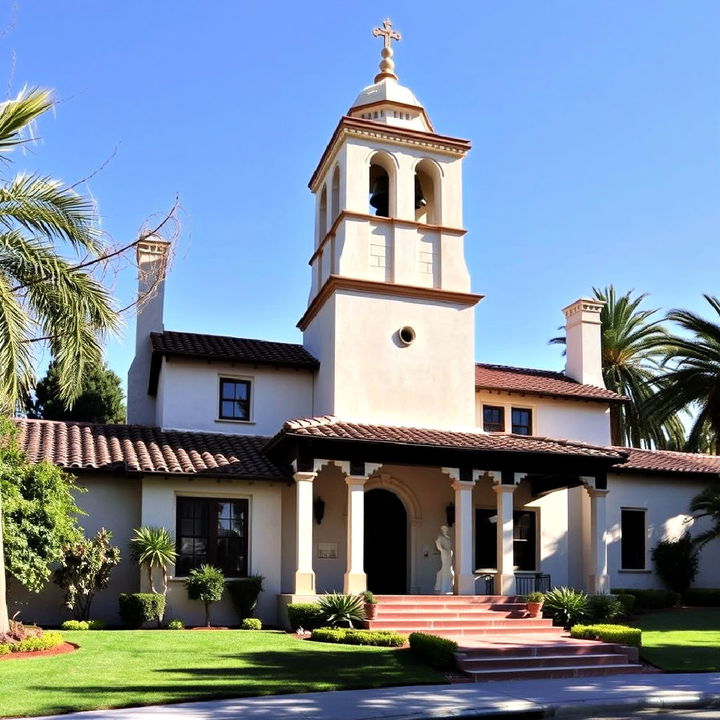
{"points": [[419, 197], [380, 197]]}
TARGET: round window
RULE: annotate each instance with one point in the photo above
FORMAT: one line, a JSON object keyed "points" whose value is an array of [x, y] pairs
{"points": [[406, 335]]}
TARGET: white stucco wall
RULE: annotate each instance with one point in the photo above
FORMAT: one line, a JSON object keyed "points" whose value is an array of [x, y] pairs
{"points": [[378, 379], [583, 421], [188, 396], [666, 500], [112, 502], [159, 496]]}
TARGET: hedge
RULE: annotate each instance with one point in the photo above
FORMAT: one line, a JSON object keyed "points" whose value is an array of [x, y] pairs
{"points": [[138, 608], [702, 597], [621, 634], [49, 639], [307, 616], [435, 651], [251, 624], [650, 599], [84, 625], [348, 636]]}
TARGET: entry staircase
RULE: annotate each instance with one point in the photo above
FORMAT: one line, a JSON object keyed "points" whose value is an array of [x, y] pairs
{"points": [[498, 641]]}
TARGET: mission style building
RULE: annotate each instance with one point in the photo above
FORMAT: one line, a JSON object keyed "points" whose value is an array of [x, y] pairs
{"points": [[332, 465]]}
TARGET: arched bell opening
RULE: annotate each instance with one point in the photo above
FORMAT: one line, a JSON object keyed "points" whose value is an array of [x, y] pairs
{"points": [[335, 195], [427, 193], [381, 186], [322, 215]]}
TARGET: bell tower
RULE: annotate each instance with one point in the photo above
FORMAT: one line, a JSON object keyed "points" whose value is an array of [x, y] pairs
{"points": [[390, 314]]}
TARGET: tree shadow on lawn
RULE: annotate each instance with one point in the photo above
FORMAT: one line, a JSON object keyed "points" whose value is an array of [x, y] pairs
{"points": [[682, 658], [256, 674]]}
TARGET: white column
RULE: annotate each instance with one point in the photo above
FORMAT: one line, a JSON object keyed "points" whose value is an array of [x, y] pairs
{"points": [[355, 579], [304, 575], [464, 577], [598, 576], [505, 578]]}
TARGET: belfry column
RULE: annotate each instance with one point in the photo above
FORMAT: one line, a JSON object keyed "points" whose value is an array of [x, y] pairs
{"points": [[304, 575], [504, 486], [598, 581]]}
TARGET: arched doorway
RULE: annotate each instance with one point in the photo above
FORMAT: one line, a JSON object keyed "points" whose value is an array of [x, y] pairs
{"points": [[385, 543]]}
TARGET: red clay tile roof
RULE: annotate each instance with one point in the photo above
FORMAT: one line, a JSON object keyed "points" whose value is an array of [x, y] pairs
{"points": [[539, 382], [667, 461], [232, 349], [329, 426], [139, 448]]}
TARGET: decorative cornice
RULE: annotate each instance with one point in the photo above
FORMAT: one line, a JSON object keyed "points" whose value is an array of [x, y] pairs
{"points": [[383, 221], [357, 127], [374, 287], [393, 103]]}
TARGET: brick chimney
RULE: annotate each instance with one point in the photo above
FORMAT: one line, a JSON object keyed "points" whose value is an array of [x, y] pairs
{"points": [[583, 334], [152, 259]]}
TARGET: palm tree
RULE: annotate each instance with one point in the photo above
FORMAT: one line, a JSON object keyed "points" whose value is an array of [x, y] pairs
{"points": [[632, 347], [48, 245], [694, 381], [153, 547], [707, 504]]}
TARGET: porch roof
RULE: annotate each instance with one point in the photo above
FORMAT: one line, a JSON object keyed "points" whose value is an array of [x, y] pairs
{"points": [[333, 438]]}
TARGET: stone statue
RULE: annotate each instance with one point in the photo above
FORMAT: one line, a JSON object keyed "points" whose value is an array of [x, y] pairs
{"points": [[445, 580]]}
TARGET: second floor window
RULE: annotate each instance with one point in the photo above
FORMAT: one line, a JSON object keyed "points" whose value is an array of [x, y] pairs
{"points": [[493, 418], [234, 399], [521, 421]]}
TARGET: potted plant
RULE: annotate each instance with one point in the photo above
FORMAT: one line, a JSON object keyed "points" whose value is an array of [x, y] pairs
{"points": [[534, 603], [370, 603]]}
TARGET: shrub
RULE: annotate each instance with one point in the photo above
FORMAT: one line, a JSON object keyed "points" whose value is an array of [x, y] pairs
{"points": [[207, 584], [138, 608], [251, 624], [39, 641], [75, 625], [676, 562], [337, 610], [535, 597], [620, 634], [175, 625], [565, 606], [304, 615], [348, 636], [368, 597], [703, 597], [435, 651], [627, 601], [650, 599], [97, 625], [244, 594], [603, 608]]}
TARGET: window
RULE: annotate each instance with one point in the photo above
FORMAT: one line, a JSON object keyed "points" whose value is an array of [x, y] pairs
{"points": [[212, 531], [524, 539], [234, 399], [632, 539], [521, 421], [493, 418]]}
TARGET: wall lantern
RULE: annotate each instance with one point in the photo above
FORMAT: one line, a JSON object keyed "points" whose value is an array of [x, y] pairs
{"points": [[450, 514], [319, 510]]}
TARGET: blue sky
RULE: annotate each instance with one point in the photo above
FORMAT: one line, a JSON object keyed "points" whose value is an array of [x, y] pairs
{"points": [[595, 129]]}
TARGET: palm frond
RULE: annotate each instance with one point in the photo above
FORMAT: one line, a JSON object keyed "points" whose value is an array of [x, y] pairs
{"points": [[17, 115]]}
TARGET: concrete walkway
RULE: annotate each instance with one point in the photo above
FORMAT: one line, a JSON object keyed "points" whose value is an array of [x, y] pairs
{"points": [[530, 698]]}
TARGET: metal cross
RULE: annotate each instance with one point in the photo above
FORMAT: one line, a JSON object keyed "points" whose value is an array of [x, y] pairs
{"points": [[387, 32]]}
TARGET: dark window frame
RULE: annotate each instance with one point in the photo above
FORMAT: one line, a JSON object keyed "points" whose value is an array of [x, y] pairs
{"points": [[485, 548], [211, 508], [633, 539], [491, 426], [222, 381], [515, 426]]}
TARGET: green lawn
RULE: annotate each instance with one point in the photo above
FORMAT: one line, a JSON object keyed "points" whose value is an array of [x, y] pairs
{"points": [[121, 668], [682, 640]]}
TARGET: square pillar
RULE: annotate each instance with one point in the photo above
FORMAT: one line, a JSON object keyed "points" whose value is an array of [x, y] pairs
{"points": [[355, 579], [505, 578], [464, 576], [598, 581], [304, 575]]}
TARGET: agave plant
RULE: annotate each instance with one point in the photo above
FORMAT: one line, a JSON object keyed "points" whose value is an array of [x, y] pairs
{"points": [[342, 610], [565, 606]]}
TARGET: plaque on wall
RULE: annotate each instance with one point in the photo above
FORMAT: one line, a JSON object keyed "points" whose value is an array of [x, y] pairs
{"points": [[327, 551]]}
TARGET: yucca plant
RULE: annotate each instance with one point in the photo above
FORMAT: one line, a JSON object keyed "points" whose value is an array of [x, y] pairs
{"points": [[565, 606], [153, 547], [342, 610]]}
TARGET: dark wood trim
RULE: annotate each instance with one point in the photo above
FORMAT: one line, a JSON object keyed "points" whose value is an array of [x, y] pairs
{"points": [[374, 287]]}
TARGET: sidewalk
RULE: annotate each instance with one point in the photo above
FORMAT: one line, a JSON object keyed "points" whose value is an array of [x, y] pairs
{"points": [[527, 698]]}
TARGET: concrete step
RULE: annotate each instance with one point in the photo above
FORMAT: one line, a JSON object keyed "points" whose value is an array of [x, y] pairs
{"points": [[462, 629], [396, 614], [523, 662], [440, 623], [447, 599], [452, 607], [567, 671], [506, 646]]}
